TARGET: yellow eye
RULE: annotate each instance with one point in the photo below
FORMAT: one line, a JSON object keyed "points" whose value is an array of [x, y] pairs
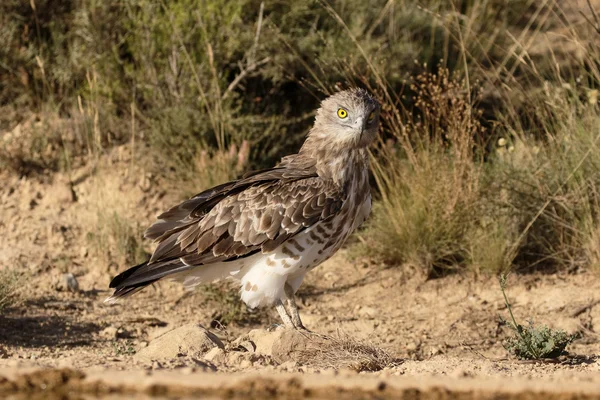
{"points": [[342, 113], [371, 116]]}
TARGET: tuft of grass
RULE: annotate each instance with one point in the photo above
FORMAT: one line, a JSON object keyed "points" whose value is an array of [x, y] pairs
{"points": [[10, 283], [428, 179], [531, 342], [345, 351], [465, 186], [117, 239]]}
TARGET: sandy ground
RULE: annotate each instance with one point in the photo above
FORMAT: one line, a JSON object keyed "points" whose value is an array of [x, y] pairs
{"points": [[441, 337]]}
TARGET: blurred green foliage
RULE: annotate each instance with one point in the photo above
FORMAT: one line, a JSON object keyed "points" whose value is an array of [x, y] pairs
{"points": [[208, 72]]}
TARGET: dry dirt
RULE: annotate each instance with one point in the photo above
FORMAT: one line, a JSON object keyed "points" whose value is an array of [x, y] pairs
{"points": [[419, 337]]}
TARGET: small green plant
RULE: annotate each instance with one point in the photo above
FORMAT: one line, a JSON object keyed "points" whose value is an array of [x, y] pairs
{"points": [[124, 348], [531, 342]]}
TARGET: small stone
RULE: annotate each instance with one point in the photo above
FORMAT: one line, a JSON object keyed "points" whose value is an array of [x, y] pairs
{"points": [[145, 183], [215, 355], [246, 346], [156, 365], [330, 318], [433, 351], [233, 358], [412, 346], [245, 364], [289, 366], [367, 312], [460, 373], [109, 333], [67, 282]]}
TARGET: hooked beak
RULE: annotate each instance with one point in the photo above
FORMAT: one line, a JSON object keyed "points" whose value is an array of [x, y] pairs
{"points": [[360, 125]]}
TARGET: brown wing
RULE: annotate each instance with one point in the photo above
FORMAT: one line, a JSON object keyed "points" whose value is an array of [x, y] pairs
{"points": [[234, 220]]}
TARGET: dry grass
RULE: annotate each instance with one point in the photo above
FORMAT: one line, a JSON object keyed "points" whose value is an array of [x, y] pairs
{"points": [[209, 168], [346, 352], [519, 191], [428, 178], [10, 285], [117, 240]]}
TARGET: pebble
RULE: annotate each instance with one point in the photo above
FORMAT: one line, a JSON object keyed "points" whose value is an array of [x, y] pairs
{"points": [[368, 312], [68, 282], [412, 346], [215, 355], [109, 332]]}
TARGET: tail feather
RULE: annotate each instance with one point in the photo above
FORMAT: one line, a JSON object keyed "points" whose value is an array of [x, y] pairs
{"points": [[124, 292], [138, 277]]}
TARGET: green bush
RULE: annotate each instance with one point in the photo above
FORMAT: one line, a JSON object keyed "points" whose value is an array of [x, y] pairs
{"points": [[211, 73]]}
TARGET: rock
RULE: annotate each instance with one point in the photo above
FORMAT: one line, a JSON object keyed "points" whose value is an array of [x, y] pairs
{"points": [[188, 370], [289, 366], [367, 312], [67, 282], [109, 332], [234, 358], [215, 355], [156, 365], [284, 344], [244, 345], [145, 183], [113, 332], [412, 347], [188, 340], [83, 252]]}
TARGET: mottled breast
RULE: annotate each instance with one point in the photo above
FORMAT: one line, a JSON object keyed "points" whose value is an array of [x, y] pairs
{"points": [[355, 210]]}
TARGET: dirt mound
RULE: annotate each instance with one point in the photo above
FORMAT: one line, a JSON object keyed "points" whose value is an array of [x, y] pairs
{"points": [[187, 341], [282, 344]]}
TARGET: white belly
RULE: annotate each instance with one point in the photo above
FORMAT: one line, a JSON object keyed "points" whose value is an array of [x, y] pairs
{"points": [[262, 282]]}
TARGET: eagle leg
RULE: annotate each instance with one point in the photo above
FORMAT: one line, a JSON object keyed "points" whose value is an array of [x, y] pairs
{"points": [[285, 317], [292, 307]]}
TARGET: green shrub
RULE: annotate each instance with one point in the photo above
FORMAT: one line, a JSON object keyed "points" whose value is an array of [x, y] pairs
{"points": [[212, 73]]}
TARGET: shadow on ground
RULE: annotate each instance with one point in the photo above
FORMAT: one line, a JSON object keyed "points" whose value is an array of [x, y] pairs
{"points": [[32, 327]]}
